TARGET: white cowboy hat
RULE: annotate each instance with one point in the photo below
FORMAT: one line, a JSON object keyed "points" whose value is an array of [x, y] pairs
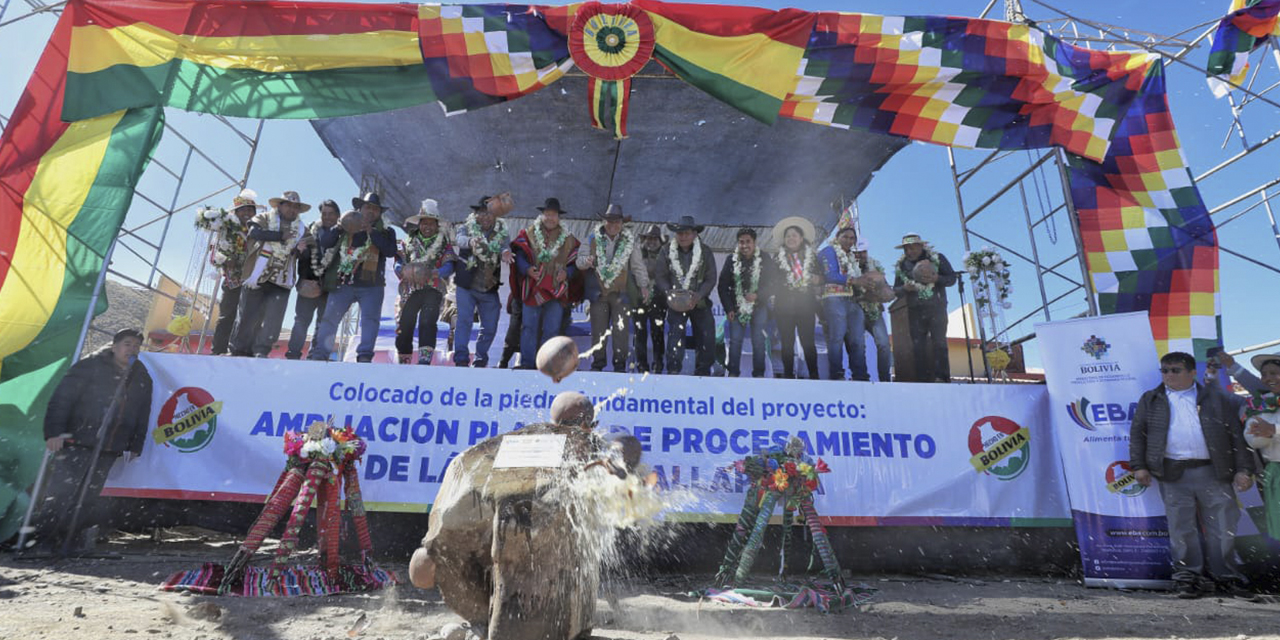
{"points": [[430, 209], [291, 196], [1263, 358], [910, 238], [806, 229], [862, 245]]}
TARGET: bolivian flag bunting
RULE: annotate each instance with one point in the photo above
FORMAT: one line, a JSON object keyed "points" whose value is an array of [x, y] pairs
{"points": [[610, 43]]}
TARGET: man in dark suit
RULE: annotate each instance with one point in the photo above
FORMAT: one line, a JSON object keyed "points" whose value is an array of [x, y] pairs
{"points": [[1189, 437]]}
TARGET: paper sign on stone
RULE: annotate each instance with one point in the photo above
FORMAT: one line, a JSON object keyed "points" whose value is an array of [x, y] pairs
{"points": [[542, 450]]}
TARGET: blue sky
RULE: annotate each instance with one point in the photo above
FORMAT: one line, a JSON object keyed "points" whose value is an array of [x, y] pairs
{"points": [[912, 193]]}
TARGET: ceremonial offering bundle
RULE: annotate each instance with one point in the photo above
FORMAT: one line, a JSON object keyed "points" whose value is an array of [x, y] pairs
{"points": [[321, 464]]}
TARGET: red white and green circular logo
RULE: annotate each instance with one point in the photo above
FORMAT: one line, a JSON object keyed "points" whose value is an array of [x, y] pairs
{"points": [[1000, 447], [188, 420], [1120, 480]]}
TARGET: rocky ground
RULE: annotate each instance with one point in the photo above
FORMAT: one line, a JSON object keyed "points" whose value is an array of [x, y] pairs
{"points": [[117, 598]]}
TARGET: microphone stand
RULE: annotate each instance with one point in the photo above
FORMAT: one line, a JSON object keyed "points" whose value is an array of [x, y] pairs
{"points": [[107, 419]]}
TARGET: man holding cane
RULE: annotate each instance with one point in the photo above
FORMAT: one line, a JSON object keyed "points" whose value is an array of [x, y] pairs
{"points": [[110, 386]]}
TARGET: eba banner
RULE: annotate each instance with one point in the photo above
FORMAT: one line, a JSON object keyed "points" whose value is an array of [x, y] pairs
{"points": [[900, 454], [1096, 369]]}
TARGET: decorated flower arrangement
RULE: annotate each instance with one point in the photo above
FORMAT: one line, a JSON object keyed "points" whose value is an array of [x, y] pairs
{"points": [[796, 477], [1259, 404], [332, 444], [987, 262], [213, 218]]}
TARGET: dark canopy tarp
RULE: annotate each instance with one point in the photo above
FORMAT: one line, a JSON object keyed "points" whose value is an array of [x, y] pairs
{"points": [[687, 153]]}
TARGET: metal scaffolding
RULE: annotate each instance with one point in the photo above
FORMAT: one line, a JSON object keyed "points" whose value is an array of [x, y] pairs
{"points": [[1063, 287]]}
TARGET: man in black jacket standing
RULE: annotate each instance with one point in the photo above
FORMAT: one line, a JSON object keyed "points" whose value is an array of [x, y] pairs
{"points": [[1189, 437], [363, 245], [71, 427], [921, 278]]}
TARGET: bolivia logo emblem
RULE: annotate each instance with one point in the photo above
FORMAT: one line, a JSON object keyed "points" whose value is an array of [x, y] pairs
{"points": [[188, 420], [999, 447], [1120, 480], [1096, 347]]}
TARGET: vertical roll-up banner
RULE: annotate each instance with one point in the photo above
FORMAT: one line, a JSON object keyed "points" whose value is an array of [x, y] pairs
{"points": [[1096, 369]]}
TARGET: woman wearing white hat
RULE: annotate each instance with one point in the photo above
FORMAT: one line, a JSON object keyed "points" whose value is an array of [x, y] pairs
{"points": [[423, 264]]}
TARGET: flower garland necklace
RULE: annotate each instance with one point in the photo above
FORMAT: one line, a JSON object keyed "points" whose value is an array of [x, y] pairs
{"points": [[923, 291], [740, 286], [607, 269], [351, 256], [683, 278], [538, 242], [848, 263], [420, 252], [320, 259], [806, 268], [487, 251]]}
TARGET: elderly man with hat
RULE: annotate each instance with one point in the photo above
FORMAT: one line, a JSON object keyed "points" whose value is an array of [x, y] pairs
{"points": [[363, 244], [229, 245], [872, 292], [846, 321], [609, 262], [270, 271], [546, 255], [482, 250], [649, 311], [423, 264], [921, 277], [686, 277]]}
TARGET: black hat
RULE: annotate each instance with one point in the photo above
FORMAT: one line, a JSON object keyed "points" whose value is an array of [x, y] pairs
{"points": [[552, 203], [614, 212], [126, 333], [483, 205], [685, 223], [652, 231], [370, 198]]}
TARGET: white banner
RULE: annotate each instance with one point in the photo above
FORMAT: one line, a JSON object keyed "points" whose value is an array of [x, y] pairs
{"points": [[899, 453], [1096, 369]]}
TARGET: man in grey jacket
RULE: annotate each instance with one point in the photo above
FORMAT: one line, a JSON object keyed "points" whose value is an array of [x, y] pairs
{"points": [[1189, 437]]}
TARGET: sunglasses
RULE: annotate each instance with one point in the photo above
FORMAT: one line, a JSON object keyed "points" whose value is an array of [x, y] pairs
{"points": [[1171, 369]]}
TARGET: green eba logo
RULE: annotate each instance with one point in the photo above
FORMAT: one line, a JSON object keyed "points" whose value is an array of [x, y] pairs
{"points": [[188, 420]]}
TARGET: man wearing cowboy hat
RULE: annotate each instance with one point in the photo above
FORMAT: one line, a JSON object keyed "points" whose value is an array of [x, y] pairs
{"points": [[228, 255], [546, 255], [423, 264], [687, 276], [312, 263], [363, 244], [649, 310], [846, 321], [924, 287], [609, 261], [270, 271], [483, 247]]}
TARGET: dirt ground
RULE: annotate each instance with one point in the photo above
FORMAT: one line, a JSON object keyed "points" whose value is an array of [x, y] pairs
{"points": [[117, 598]]}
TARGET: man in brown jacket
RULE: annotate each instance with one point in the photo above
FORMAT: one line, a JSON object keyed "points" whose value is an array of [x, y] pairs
{"points": [[611, 257]]}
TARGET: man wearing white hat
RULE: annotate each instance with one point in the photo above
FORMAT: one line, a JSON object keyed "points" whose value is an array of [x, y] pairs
{"points": [[229, 246], [921, 278], [424, 263], [270, 271]]}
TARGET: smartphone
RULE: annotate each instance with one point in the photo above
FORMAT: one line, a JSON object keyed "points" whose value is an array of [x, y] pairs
{"points": [[1212, 353]]}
